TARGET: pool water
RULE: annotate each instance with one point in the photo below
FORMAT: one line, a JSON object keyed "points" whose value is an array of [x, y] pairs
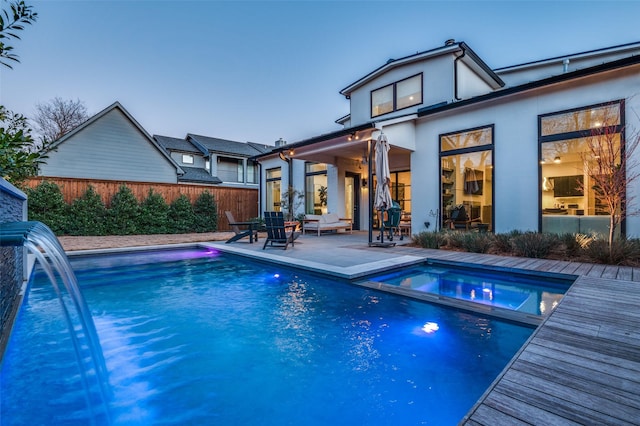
{"points": [[195, 337], [526, 293]]}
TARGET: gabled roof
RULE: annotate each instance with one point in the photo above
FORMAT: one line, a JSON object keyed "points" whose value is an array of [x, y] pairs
{"points": [[98, 116], [198, 175], [589, 53], [224, 146], [467, 55], [585, 72], [174, 144]]}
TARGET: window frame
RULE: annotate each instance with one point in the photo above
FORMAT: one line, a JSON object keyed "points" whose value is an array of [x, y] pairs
{"points": [[394, 107], [579, 134], [467, 150], [186, 157]]}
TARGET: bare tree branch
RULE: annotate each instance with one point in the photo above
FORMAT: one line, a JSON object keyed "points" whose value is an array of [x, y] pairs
{"points": [[57, 117]]}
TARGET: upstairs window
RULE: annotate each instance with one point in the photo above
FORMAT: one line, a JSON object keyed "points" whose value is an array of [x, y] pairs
{"points": [[230, 170], [187, 159], [396, 96]]}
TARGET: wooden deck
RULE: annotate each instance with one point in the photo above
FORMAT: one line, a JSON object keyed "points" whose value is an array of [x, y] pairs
{"points": [[582, 365]]}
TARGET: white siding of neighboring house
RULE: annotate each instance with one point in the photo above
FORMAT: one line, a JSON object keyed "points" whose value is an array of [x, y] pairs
{"points": [[516, 186], [110, 148]]}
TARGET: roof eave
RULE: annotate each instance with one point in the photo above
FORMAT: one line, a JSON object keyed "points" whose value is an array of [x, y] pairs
{"points": [[621, 63]]}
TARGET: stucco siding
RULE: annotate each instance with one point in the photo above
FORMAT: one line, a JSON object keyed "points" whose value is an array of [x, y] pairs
{"points": [[110, 148], [515, 173], [437, 77]]}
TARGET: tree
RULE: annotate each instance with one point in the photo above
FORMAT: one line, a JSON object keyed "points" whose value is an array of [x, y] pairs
{"points": [[181, 216], [57, 117], [11, 21], [46, 205], [205, 209], [17, 159], [154, 212], [87, 214], [123, 212], [611, 168], [290, 201]]}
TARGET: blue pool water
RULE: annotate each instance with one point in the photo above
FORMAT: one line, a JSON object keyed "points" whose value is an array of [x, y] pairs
{"points": [[195, 337], [525, 293]]}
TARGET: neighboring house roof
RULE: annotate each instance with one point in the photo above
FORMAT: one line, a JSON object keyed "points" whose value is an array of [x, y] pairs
{"points": [[608, 66], [98, 116], [224, 146], [174, 144], [468, 56], [198, 175]]}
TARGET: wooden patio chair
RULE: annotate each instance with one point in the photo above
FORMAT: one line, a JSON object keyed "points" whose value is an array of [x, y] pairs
{"points": [[278, 233], [241, 233]]}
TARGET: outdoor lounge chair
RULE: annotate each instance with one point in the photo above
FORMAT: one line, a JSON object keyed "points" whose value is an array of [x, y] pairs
{"points": [[278, 233], [241, 233]]}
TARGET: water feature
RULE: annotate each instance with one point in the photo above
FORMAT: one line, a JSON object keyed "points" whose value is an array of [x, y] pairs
{"points": [[43, 244]]}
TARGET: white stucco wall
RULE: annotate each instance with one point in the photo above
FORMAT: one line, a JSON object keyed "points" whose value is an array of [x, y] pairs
{"points": [[516, 188], [437, 87]]}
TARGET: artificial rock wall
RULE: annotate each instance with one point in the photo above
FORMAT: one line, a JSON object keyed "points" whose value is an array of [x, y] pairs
{"points": [[13, 208]]}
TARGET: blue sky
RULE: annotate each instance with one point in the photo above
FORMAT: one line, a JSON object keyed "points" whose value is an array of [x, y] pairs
{"points": [[261, 70]]}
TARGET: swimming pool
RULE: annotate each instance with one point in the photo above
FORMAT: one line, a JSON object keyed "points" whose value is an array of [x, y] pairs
{"points": [[196, 337]]}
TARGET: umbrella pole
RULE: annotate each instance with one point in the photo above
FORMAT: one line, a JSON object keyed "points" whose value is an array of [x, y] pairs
{"points": [[370, 192]]}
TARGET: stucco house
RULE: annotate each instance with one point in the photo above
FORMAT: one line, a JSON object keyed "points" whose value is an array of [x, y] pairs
{"points": [[508, 144]]}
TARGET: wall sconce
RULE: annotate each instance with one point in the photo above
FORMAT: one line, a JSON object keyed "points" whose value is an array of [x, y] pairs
{"points": [[286, 157], [364, 182], [291, 152], [556, 160]]}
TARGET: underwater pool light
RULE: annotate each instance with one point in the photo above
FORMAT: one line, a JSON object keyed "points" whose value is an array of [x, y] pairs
{"points": [[276, 275], [430, 327]]}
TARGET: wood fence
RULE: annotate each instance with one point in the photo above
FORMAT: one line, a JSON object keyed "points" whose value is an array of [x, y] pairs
{"points": [[242, 202]]}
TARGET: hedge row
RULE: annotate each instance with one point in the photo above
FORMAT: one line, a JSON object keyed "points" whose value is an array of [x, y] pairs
{"points": [[88, 215]]}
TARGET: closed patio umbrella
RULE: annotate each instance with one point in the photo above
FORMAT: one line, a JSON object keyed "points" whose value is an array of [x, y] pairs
{"points": [[382, 200]]}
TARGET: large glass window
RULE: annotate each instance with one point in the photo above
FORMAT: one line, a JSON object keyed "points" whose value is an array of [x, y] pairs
{"points": [[466, 179], [274, 178], [396, 96], [230, 169], [315, 188], [580, 155]]}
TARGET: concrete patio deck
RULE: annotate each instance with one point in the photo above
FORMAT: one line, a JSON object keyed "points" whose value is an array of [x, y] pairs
{"points": [[580, 366]]}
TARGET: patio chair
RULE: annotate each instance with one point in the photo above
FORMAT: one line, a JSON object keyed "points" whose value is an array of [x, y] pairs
{"points": [[241, 233], [459, 219], [278, 233], [392, 222]]}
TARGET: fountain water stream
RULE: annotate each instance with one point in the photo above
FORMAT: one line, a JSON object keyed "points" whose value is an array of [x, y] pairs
{"points": [[43, 244]]}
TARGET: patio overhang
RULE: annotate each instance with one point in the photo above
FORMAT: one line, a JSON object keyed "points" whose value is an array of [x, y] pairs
{"points": [[331, 148]]}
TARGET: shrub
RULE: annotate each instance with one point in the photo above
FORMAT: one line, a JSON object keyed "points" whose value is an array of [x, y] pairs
{"points": [[533, 244], [206, 213], [87, 215], [477, 242], [502, 242], [46, 204], [621, 252], [181, 216], [123, 213], [154, 211], [430, 239], [455, 239]]}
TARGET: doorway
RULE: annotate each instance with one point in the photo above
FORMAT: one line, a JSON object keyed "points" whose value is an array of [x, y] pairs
{"points": [[352, 198]]}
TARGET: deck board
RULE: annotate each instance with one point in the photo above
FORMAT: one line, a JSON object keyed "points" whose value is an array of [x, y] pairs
{"points": [[582, 365]]}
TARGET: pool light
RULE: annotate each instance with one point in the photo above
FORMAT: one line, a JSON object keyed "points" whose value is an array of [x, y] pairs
{"points": [[276, 275], [430, 327]]}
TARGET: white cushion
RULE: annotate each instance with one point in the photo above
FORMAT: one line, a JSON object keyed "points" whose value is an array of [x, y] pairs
{"points": [[330, 218], [313, 216]]}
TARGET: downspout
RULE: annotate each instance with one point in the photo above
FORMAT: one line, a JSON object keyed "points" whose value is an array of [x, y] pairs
{"points": [[259, 189], [455, 73]]}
